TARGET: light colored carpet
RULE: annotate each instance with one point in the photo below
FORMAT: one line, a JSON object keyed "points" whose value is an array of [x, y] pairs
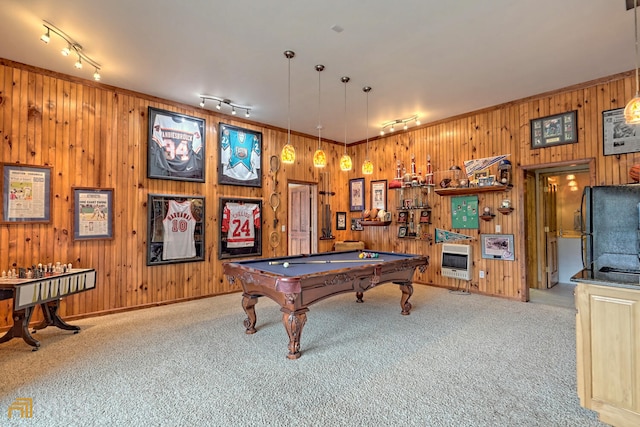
{"points": [[457, 360]]}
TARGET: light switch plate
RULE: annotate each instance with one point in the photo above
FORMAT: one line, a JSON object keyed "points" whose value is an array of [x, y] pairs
{"points": [[498, 228]]}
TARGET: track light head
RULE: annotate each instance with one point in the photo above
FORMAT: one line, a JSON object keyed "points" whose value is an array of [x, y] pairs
{"points": [[202, 103], [46, 36]]}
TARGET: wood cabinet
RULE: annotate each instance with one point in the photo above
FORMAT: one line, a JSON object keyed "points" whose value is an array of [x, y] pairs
{"points": [[608, 352]]}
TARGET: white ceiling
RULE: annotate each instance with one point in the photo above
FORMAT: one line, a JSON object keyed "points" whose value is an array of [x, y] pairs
{"points": [[433, 58]]}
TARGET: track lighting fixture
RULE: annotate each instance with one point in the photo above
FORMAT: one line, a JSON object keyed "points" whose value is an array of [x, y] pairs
{"points": [[220, 101], [72, 46], [391, 125]]}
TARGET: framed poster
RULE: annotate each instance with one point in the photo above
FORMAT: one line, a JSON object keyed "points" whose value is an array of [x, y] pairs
{"points": [[240, 156], [356, 194], [26, 193], [175, 229], [176, 146], [92, 213], [497, 246], [341, 220], [356, 224], [617, 136], [464, 212], [240, 228], [379, 194], [554, 130]]}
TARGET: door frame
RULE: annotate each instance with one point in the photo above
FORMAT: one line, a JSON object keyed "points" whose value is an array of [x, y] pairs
{"points": [[533, 232], [313, 223]]}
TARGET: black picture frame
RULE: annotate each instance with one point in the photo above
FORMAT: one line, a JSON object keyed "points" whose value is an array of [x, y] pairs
{"points": [[356, 195], [162, 246], [379, 194], [356, 224], [239, 163], [402, 231], [341, 220], [425, 217], [240, 228], [176, 146], [403, 217], [26, 193], [553, 130], [618, 137], [93, 217]]}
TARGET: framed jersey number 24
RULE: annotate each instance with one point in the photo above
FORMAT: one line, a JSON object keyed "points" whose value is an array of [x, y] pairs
{"points": [[240, 228]]}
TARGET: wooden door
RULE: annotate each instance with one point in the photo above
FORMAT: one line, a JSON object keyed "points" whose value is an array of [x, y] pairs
{"points": [[550, 233], [299, 235]]}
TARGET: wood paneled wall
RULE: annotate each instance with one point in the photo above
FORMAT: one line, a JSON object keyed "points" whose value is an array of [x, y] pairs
{"points": [[95, 135]]}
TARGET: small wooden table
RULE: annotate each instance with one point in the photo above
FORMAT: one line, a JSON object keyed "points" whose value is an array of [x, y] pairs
{"points": [[47, 293]]}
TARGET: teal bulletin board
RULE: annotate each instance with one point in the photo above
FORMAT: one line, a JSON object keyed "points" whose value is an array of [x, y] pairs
{"points": [[464, 212]]}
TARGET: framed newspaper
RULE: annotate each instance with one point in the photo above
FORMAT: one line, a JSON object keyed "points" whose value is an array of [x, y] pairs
{"points": [[176, 146], [240, 156], [617, 136], [26, 194], [240, 228], [175, 229], [92, 213]]}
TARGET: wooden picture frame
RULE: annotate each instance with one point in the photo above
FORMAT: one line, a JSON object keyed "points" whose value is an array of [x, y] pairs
{"points": [[175, 229], [497, 246], [93, 217], [176, 146], [240, 228], [356, 195], [554, 130], [379, 194], [618, 137], [341, 220], [26, 194], [239, 156]]}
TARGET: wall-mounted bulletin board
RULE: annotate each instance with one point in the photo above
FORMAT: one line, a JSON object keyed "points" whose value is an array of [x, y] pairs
{"points": [[176, 229], [464, 212]]}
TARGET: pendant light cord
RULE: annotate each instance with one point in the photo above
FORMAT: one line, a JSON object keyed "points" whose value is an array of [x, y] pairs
{"points": [[635, 20]]}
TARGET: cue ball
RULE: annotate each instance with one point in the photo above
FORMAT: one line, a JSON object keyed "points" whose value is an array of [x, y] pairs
{"points": [[285, 265]]}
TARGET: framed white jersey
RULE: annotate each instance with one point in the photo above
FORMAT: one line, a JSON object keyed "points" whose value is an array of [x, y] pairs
{"points": [[176, 146], [240, 227], [240, 156]]}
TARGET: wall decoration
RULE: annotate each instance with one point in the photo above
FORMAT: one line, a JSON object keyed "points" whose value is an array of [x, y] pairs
{"points": [[356, 194], [497, 246], [379, 194], [425, 217], [356, 224], [175, 229], [617, 136], [240, 156], [341, 220], [402, 231], [240, 228], [176, 146], [554, 130], [464, 212], [92, 213], [26, 193], [403, 217]]}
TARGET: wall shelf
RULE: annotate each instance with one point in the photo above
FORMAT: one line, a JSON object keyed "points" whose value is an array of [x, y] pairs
{"points": [[471, 190], [374, 223], [487, 217], [505, 211]]}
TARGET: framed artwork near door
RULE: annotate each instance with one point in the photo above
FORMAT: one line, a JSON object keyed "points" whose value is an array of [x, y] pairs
{"points": [[497, 246], [617, 136], [240, 228], [554, 130]]}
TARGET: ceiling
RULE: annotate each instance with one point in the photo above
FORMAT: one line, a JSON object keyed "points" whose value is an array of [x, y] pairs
{"points": [[433, 58]]}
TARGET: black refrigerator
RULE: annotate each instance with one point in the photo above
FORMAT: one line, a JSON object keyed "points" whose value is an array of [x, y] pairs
{"points": [[611, 233]]}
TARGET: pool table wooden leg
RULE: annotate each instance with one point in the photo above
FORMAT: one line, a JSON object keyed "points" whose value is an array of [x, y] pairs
{"points": [[248, 304], [407, 291], [293, 323]]}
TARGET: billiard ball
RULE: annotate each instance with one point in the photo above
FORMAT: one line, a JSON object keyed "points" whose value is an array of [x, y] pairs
{"points": [[361, 255], [285, 265]]}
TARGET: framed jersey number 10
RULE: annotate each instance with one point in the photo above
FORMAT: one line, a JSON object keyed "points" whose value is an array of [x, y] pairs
{"points": [[176, 229], [240, 228]]}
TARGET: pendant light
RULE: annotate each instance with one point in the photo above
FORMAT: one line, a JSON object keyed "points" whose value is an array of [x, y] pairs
{"points": [[345, 160], [367, 166], [319, 157], [288, 155], [632, 110]]}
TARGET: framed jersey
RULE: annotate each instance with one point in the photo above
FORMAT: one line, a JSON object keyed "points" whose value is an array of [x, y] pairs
{"points": [[240, 228], [240, 156], [175, 229], [176, 146]]}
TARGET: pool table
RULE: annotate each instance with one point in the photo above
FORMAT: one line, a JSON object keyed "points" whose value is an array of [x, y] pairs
{"points": [[311, 278]]}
